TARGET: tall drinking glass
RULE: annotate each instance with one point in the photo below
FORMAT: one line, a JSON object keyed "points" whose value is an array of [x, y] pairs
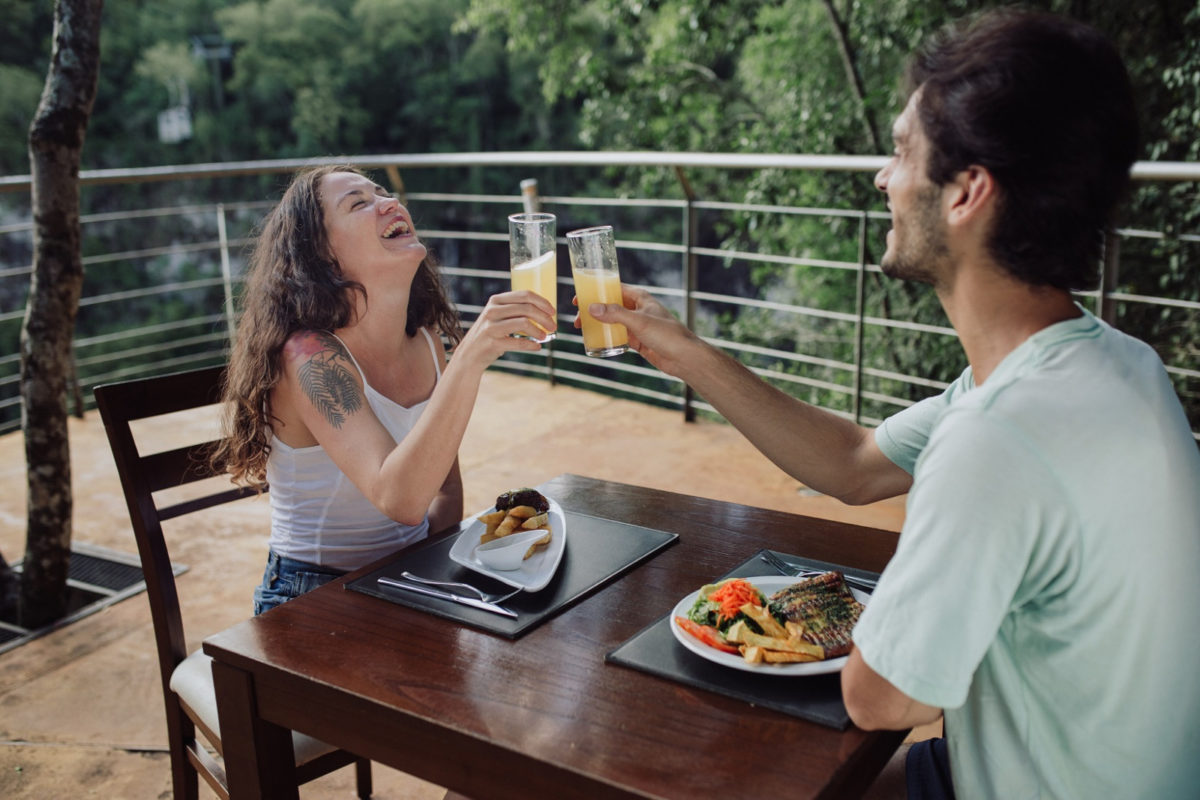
{"points": [[533, 259], [597, 280]]}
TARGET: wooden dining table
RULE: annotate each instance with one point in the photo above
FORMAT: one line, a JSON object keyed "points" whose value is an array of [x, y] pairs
{"points": [[543, 715]]}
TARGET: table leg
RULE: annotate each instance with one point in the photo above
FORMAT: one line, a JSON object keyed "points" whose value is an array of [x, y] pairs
{"points": [[260, 763]]}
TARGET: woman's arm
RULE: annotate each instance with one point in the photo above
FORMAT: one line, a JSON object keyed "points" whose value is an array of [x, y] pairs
{"points": [[321, 394], [447, 508]]}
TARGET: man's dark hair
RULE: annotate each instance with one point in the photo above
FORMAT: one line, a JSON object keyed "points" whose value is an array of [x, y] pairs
{"points": [[1043, 103]]}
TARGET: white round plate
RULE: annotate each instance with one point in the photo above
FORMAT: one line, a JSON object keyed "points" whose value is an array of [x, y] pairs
{"points": [[768, 585]]}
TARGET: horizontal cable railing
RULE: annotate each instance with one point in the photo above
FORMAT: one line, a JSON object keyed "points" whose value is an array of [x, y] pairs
{"points": [[167, 303]]}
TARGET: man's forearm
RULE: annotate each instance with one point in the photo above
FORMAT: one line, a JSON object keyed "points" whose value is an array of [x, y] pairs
{"points": [[826, 452]]}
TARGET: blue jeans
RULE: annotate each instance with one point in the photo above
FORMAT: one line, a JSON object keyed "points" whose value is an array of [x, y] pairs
{"points": [[286, 578]]}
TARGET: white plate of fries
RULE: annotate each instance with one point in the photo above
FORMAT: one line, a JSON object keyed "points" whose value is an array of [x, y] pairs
{"points": [[768, 585], [538, 568]]}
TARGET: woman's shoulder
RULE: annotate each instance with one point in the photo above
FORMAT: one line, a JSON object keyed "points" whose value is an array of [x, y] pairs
{"points": [[317, 370], [304, 346], [313, 352], [434, 338]]}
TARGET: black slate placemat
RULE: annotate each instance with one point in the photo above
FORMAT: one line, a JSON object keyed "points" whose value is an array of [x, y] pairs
{"points": [[817, 698], [597, 551]]}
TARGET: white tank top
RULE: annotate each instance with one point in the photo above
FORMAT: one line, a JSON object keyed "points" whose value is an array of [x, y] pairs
{"points": [[318, 515]]}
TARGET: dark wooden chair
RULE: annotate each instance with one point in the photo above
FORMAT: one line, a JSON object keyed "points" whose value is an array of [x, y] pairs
{"points": [[186, 678]]}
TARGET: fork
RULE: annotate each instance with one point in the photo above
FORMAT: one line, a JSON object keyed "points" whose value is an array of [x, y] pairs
{"points": [[487, 597], [778, 563]]}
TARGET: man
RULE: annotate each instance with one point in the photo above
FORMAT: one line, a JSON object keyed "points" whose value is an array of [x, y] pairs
{"points": [[1045, 593]]}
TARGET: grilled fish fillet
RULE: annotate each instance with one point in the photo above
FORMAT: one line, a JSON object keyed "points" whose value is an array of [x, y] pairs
{"points": [[823, 607]]}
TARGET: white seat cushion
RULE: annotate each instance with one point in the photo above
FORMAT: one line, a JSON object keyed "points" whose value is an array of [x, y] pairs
{"points": [[192, 680]]}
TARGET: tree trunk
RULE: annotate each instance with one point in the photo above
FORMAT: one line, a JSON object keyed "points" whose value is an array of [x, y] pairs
{"points": [[10, 589], [853, 77], [55, 142]]}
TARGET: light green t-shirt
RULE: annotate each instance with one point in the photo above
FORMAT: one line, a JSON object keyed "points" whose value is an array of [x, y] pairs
{"points": [[1045, 591]]}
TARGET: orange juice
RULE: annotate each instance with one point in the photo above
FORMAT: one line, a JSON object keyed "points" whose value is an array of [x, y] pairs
{"points": [[540, 276], [599, 286]]}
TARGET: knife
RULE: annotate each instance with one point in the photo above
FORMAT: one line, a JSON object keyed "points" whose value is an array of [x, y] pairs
{"points": [[453, 598]]}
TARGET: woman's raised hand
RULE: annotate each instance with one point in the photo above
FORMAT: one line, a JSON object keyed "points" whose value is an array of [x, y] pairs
{"points": [[506, 314]]}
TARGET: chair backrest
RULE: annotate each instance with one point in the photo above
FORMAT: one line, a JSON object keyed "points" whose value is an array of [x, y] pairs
{"points": [[144, 474]]}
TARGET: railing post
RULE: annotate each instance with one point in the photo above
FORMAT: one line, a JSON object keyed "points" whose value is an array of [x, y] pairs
{"points": [[860, 314], [393, 173], [226, 273], [689, 280], [1106, 309], [530, 200]]}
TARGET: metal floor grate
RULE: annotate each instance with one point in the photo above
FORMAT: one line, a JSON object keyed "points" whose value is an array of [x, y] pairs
{"points": [[98, 577], [96, 571]]}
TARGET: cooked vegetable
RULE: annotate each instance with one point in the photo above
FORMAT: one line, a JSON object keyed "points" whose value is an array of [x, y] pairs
{"points": [[734, 594], [706, 634], [719, 604], [523, 497]]}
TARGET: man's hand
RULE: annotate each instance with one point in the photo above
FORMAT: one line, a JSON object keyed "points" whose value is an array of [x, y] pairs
{"points": [[654, 332], [818, 448]]}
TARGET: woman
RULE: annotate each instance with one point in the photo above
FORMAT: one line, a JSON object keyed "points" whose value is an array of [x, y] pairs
{"points": [[338, 396]]}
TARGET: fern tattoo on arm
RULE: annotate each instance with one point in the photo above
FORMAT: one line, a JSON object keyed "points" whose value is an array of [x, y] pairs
{"points": [[328, 383]]}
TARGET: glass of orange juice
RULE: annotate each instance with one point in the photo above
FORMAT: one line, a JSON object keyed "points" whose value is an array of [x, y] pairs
{"points": [[532, 256], [597, 280]]}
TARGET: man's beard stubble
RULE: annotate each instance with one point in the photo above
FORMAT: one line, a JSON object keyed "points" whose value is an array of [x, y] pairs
{"points": [[922, 250]]}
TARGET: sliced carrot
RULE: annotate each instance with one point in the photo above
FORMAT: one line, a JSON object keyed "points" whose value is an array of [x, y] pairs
{"points": [[733, 595]]}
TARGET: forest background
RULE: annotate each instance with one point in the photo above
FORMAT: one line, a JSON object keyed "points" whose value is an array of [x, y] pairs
{"points": [[193, 81]]}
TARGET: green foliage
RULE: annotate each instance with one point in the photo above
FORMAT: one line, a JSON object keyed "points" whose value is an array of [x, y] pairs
{"points": [[24, 55], [301, 78], [19, 92]]}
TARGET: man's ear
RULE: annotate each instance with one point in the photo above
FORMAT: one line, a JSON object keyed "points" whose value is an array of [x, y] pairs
{"points": [[972, 192]]}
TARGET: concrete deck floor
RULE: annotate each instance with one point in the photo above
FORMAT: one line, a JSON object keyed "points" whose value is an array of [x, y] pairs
{"points": [[80, 707]]}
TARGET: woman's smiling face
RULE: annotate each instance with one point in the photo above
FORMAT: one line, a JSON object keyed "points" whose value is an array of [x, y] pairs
{"points": [[366, 226]]}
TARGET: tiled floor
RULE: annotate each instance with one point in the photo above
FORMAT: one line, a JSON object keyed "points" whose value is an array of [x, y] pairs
{"points": [[80, 713]]}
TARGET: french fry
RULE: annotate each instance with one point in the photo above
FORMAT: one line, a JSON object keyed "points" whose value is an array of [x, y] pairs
{"points": [[772, 649], [535, 522], [491, 521], [522, 512], [778, 657], [794, 629], [507, 526], [736, 631], [492, 517], [499, 524], [784, 645], [765, 620], [542, 542], [752, 655]]}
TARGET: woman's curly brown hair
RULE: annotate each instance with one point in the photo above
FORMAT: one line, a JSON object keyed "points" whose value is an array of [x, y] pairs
{"points": [[294, 283]]}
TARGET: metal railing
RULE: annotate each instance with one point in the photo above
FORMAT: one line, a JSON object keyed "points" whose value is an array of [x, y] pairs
{"points": [[206, 268]]}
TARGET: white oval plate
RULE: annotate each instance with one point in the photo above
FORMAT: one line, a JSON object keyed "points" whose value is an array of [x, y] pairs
{"points": [[768, 585], [537, 570]]}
